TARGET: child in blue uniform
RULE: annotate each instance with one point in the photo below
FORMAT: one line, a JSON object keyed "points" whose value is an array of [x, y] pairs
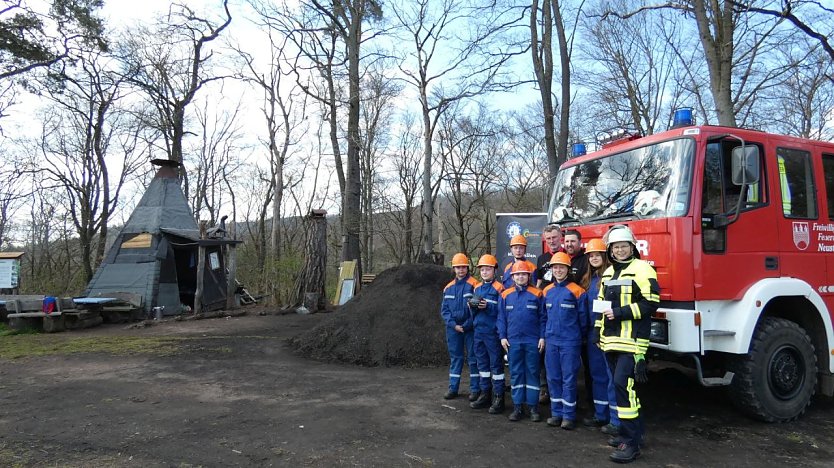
{"points": [[459, 332], [488, 353], [567, 323], [602, 389], [521, 322]]}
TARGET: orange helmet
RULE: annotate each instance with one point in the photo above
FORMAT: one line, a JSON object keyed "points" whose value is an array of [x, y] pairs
{"points": [[595, 245], [518, 239], [460, 259], [487, 260], [560, 258], [521, 267]]}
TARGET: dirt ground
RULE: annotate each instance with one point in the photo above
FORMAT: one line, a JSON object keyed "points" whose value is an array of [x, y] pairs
{"points": [[232, 394]]}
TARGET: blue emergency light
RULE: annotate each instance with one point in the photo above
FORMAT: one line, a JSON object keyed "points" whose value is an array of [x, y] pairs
{"points": [[682, 118], [579, 149]]}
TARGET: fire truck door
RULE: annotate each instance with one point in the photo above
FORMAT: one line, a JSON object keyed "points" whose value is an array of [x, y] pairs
{"points": [[734, 256], [802, 237]]}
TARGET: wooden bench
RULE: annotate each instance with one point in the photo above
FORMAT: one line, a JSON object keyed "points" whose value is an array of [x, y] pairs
{"points": [[29, 313], [116, 307]]}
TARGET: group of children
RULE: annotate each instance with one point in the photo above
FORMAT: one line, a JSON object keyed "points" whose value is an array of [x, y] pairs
{"points": [[490, 317]]}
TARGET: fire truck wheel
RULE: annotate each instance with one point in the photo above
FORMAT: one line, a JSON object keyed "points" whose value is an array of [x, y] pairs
{"points": [[775, 381]]}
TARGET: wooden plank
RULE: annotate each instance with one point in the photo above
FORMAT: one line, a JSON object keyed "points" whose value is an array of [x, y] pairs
{"points": [[347, 270], [231, 284], [201, 271], [34, 314]]}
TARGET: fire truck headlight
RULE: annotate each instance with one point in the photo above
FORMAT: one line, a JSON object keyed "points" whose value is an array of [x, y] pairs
{"points": [[660, 332]]}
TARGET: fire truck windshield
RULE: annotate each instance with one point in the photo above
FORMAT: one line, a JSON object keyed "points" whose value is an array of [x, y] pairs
{"points": [[649, 182]]}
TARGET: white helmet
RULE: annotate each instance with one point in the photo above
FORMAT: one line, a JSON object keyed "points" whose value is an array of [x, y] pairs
{"points": [[620, 233]]}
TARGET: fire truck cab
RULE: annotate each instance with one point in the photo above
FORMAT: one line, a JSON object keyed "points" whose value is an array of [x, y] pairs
{"points": [[739, 225]]}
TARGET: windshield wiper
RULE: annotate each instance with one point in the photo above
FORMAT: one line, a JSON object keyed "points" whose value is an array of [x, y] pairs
{"points": [[621, 214], [568, 217]]}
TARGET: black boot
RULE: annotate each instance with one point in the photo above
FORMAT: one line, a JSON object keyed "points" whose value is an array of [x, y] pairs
{"points": [[534, 414], [450, 395], [482, 401], [517, 413], [625, 454], [497, 405], [473, 396]]}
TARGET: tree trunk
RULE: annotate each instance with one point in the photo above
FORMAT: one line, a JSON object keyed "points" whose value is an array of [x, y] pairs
{"points": [[564, 107], [718, 51], [352, 210], [201, 271], [312, 278], [543, 67], [428, 201]]}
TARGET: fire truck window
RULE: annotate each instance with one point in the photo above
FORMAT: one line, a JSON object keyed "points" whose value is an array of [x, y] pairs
{"points": [[796, 182], [711, 201], [828, 170]]}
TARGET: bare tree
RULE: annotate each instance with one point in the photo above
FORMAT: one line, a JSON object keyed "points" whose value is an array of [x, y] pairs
{"points": [[169, 63], [13, 194], [446, 67], [525, 179], [802, 104], [79, 133], [811, 17], [736, 47], [378, 94], [463, 140], [347, 17], [553, 14], [635, 86], [399, 203], [215, 156]]}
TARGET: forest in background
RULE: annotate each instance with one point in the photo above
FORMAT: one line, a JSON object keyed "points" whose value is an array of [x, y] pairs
{"points": [[411, 122]]}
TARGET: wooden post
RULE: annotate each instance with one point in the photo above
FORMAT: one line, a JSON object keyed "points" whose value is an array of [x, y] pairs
{"points": [[201, 271], [231, 287], [310, 287]]}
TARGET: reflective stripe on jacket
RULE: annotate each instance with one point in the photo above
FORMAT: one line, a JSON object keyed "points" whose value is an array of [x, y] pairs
{"points": [[566, 308], [455, 308], [521, 317], [634, 294], [485, 318]]}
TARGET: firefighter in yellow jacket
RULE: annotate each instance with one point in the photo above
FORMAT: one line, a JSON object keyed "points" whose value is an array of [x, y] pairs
{"points": [[630, 284]]}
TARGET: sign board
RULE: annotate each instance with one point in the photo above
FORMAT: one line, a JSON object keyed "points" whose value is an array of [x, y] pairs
{"points": [[9, 273], [346, 286], [530, 225], [139, 241], [214, 260]]}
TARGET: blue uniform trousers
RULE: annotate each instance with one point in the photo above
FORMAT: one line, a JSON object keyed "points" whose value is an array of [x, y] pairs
{"points": [[599, 382], [490, 358], [457, 342], [562, 363], [524, 373], [628, 404]]}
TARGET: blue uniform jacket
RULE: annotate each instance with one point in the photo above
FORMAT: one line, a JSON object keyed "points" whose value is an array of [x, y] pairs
{"points": [[485, 318], [507, 278], [566, 307], [455, 306], [521, 316]]}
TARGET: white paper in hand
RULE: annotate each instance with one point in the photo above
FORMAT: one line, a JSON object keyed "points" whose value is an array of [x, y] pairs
{"points": [[600, 306]]}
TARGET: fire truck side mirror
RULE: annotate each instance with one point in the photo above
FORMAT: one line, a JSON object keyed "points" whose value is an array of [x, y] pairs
{"points": [[745, 164]]}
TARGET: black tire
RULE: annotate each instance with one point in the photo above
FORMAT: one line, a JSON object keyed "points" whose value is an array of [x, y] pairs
{"points": [[775, 381]]}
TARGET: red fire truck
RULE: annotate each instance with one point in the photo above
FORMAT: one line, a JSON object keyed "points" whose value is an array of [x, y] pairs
{"points": [[739, 225]]}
